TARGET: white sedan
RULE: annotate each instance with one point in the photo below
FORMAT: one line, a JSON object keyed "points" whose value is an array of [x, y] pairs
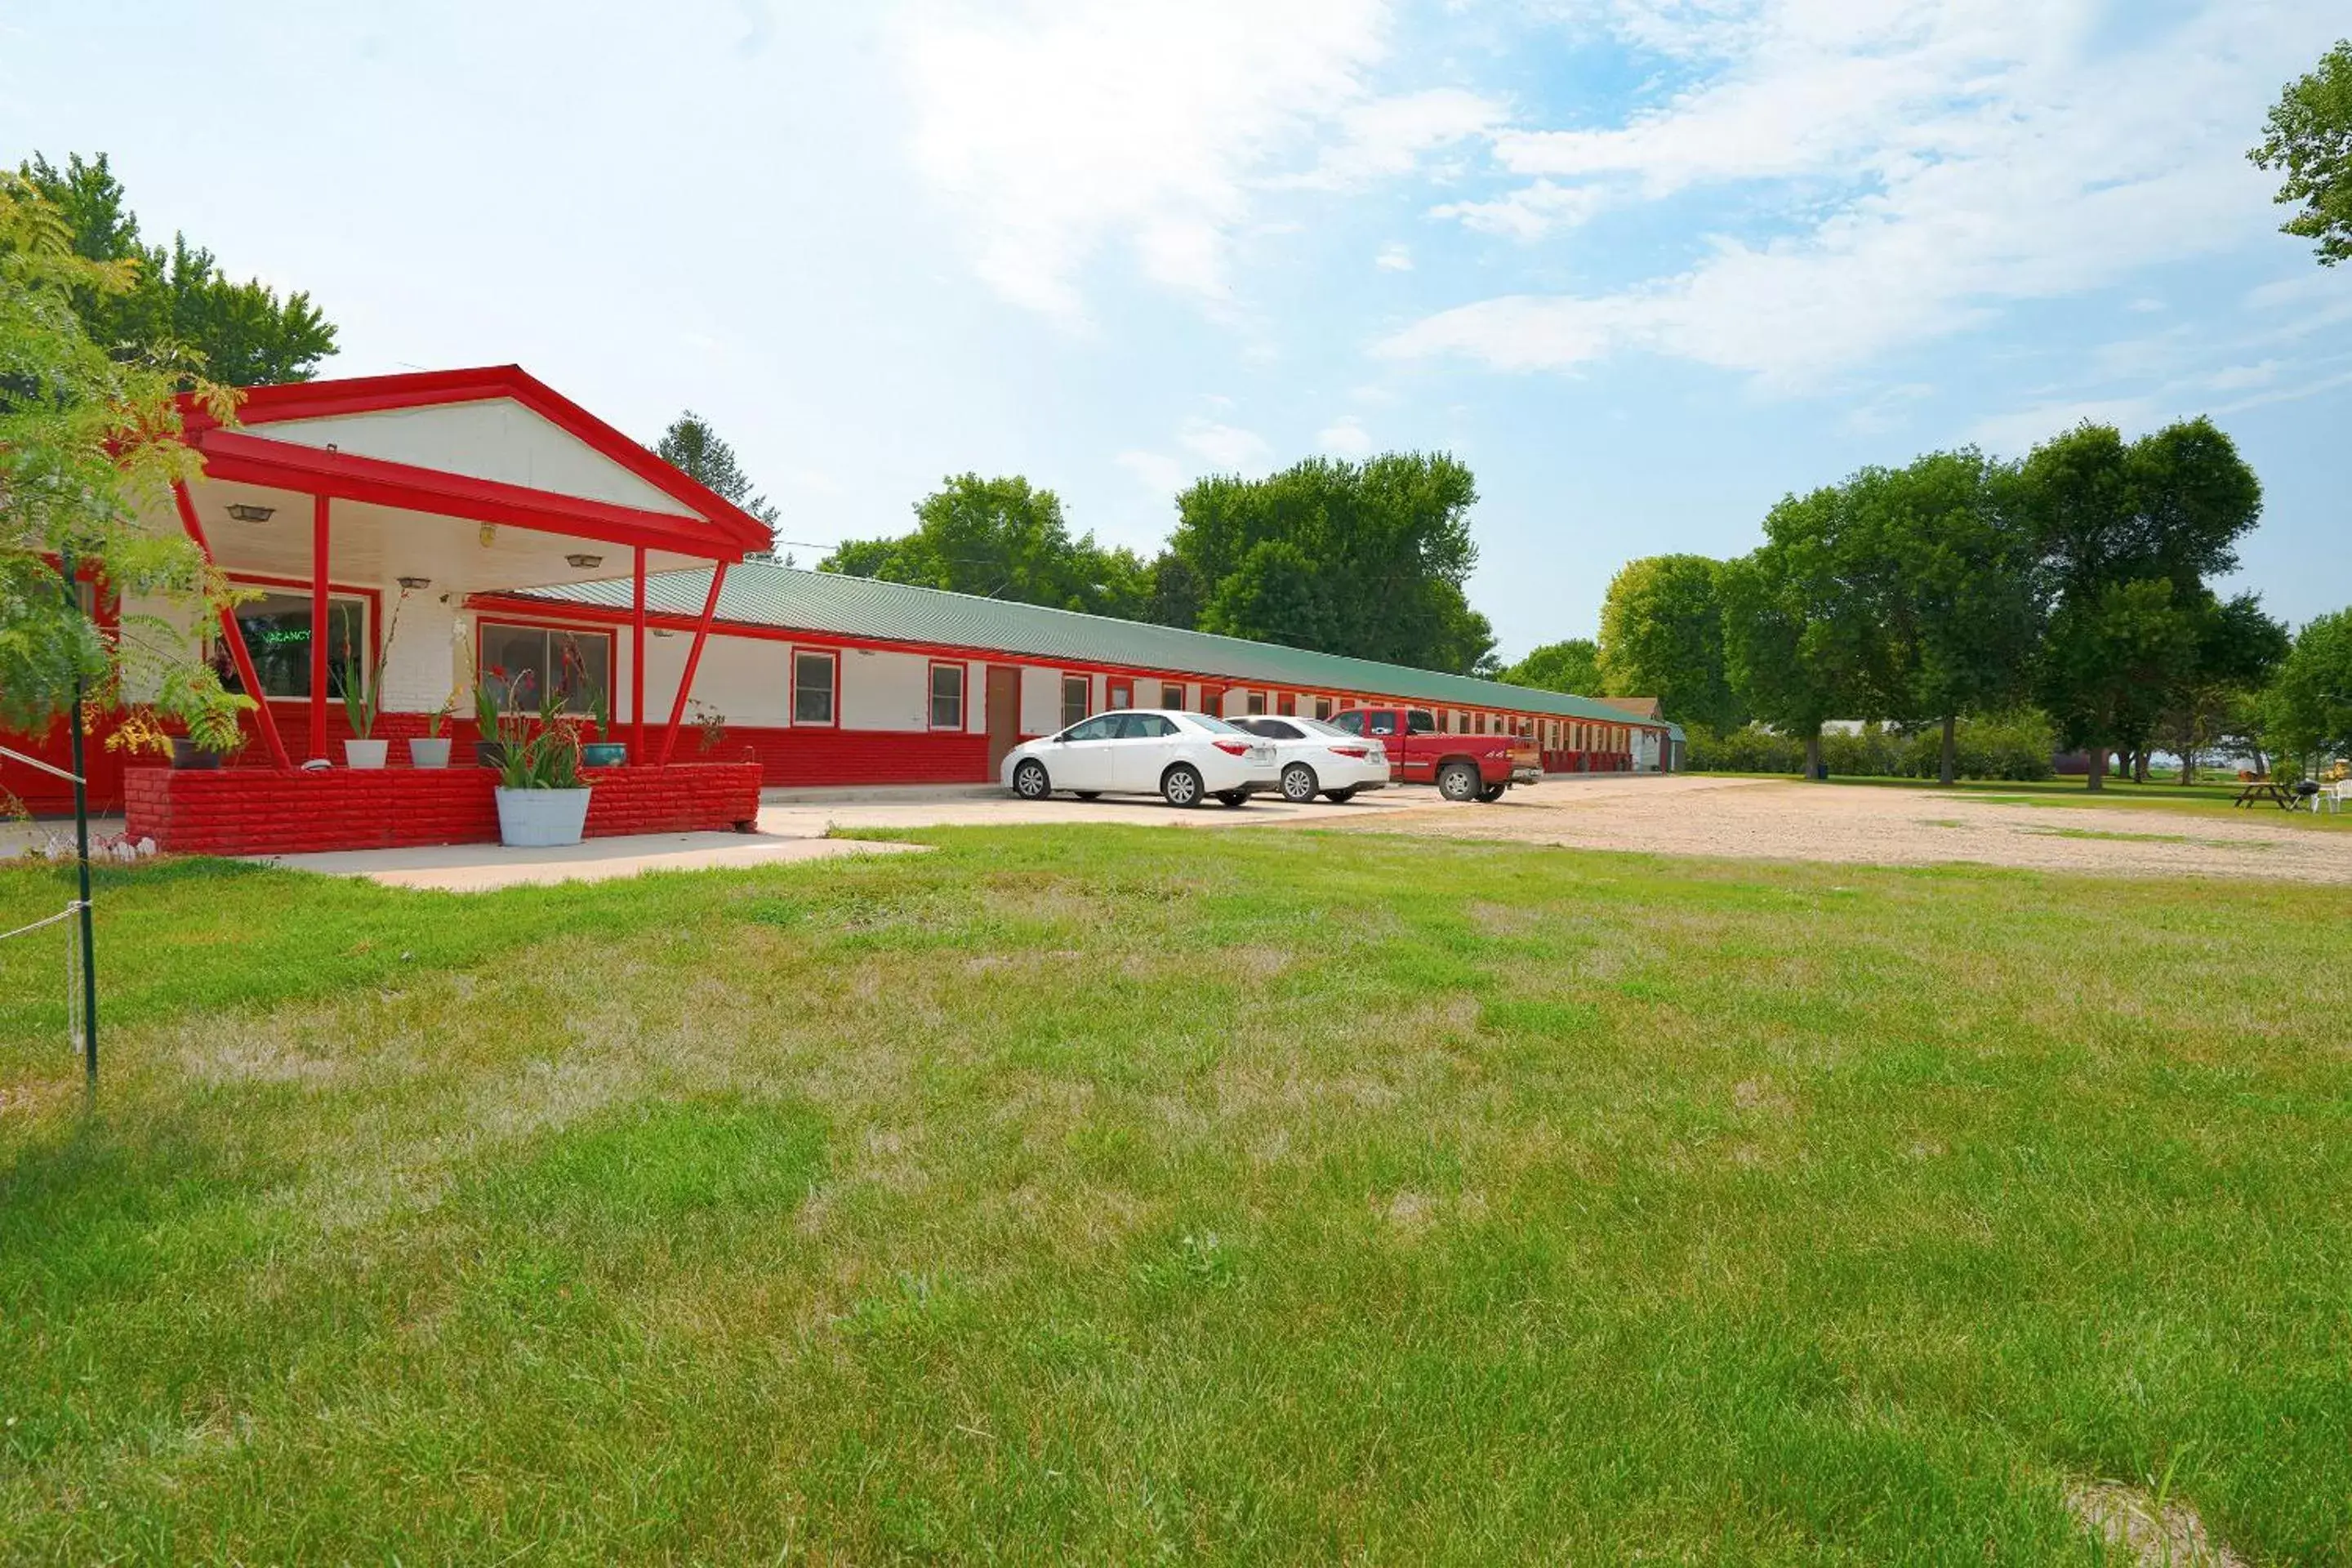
{"points": [[1316, 758], [1182, 758]]}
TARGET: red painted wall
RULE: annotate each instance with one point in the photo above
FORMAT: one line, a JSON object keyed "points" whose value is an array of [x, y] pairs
{"points": [[261, 811]]}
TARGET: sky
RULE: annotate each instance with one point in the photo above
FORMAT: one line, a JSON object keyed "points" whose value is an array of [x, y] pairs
{"points": [[1646, 265]]}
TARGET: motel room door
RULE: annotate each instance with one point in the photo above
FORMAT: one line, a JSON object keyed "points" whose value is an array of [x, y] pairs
{"points": [[1003, 714]]}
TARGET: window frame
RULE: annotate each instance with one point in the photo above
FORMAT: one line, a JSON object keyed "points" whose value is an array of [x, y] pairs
{"points": [[1174, 694], [610, 638], [1253, 705], [792, 720], [1118, 695], [371, 601], [1324, 708], [932, 694], [1086, 684]]}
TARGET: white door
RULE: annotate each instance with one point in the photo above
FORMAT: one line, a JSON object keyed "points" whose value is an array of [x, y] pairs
{"points": [[1142, 753], [1081, 759]]}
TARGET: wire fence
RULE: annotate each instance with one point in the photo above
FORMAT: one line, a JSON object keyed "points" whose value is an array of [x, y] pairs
{"points": [[74, 1021]]}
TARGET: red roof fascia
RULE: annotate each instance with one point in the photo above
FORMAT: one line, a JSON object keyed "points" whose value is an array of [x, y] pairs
{"points": [[263, 405], [255, 460]]}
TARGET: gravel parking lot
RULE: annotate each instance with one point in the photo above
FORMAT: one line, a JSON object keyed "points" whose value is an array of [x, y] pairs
{"points": [[1698, 815]]}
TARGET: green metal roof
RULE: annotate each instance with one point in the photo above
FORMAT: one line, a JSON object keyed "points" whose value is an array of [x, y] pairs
{"points": [[832, 604]]}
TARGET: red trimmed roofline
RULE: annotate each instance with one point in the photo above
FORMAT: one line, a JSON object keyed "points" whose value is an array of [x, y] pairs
{"points": [[263, 405]]}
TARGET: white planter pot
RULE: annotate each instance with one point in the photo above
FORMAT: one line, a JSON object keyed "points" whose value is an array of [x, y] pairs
{"points": [[364, 754], [535, 818], [424, 752]]}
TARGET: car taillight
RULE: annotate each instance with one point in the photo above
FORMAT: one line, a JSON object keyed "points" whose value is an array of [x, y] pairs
{"points": [[1233, 748], [1350, 752]]}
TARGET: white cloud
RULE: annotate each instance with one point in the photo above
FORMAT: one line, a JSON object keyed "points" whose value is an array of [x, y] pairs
{"points": [[1054, 130], [1155, 471], [1393, 258], [1531, 212], [2238, 377], [1224, 447], [1934, 160], [1345, 435], [1386, 137], [2014, 435]]}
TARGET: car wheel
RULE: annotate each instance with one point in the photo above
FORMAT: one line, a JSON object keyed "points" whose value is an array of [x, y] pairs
{"points": [[1458, 781], [1234, 798], [1087, 794], [1029, 781], [1492, 793], [1180, 785], [1339, 796], [1298, 784]]}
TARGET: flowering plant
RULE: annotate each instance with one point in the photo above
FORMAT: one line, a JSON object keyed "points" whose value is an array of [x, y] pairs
{"points": [[542, 747]]}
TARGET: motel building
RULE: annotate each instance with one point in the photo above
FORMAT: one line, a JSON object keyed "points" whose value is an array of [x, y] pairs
{"points": [[463, 521]]}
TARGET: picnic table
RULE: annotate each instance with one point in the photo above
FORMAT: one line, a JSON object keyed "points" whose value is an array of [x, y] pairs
{"points": [[2256, 791]]}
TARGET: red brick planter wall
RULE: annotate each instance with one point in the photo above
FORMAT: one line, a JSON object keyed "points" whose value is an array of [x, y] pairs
{"points": [[261, 811]]}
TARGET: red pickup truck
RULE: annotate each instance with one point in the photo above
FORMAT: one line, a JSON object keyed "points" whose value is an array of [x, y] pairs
{"points": [[1463, 767]]}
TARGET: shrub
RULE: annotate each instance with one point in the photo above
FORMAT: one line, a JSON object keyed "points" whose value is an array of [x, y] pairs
{"points": [[2011, 746]]}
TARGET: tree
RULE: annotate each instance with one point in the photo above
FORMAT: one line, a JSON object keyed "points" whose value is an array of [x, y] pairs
{"points": [[2310, 139], [1766, 630], [1661, 637], [2237, 650], [694, 449], [2116, 522], [86, 437], [1964, 607], [1572, 667], [177, 302], [1367, 559], [2307, 711], [1175, 597], [1002, 539]]}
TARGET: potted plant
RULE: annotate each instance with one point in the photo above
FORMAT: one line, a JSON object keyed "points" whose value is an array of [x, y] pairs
{"points": [[604, 752], [193, 696], [541, 798], [361, 687], [431, 749], [492, 691]]}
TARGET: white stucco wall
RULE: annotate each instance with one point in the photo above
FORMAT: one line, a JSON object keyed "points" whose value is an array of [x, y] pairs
{"points": [[495, 439], [742, 677], [883, 690]]}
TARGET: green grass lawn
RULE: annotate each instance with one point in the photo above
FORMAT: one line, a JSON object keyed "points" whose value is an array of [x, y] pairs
{"points": [[1101, 1193]]}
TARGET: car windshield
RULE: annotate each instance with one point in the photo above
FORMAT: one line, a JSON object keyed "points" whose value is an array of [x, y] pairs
{"points": [[1214, 726]]}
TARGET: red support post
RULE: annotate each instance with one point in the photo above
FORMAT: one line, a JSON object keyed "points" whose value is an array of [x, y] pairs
{"points": [[232, 633], [693, 657], [637, 663], [320, 625]]}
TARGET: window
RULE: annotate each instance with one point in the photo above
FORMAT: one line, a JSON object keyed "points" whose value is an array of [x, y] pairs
{"points": [[1323, 708], [1103, 728], [1286, 704], [276, 630], [1122, 695], [1207, 721], [814, 677], [947, 696], [1256, 702], [1078, 699], [1171, 694], [1144, 727], [576, 665], [1353, 723], [1417, 721], [1384, 724]]}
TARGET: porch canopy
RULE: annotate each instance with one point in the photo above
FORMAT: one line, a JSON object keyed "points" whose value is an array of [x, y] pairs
{"points": [[407, 494]]}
